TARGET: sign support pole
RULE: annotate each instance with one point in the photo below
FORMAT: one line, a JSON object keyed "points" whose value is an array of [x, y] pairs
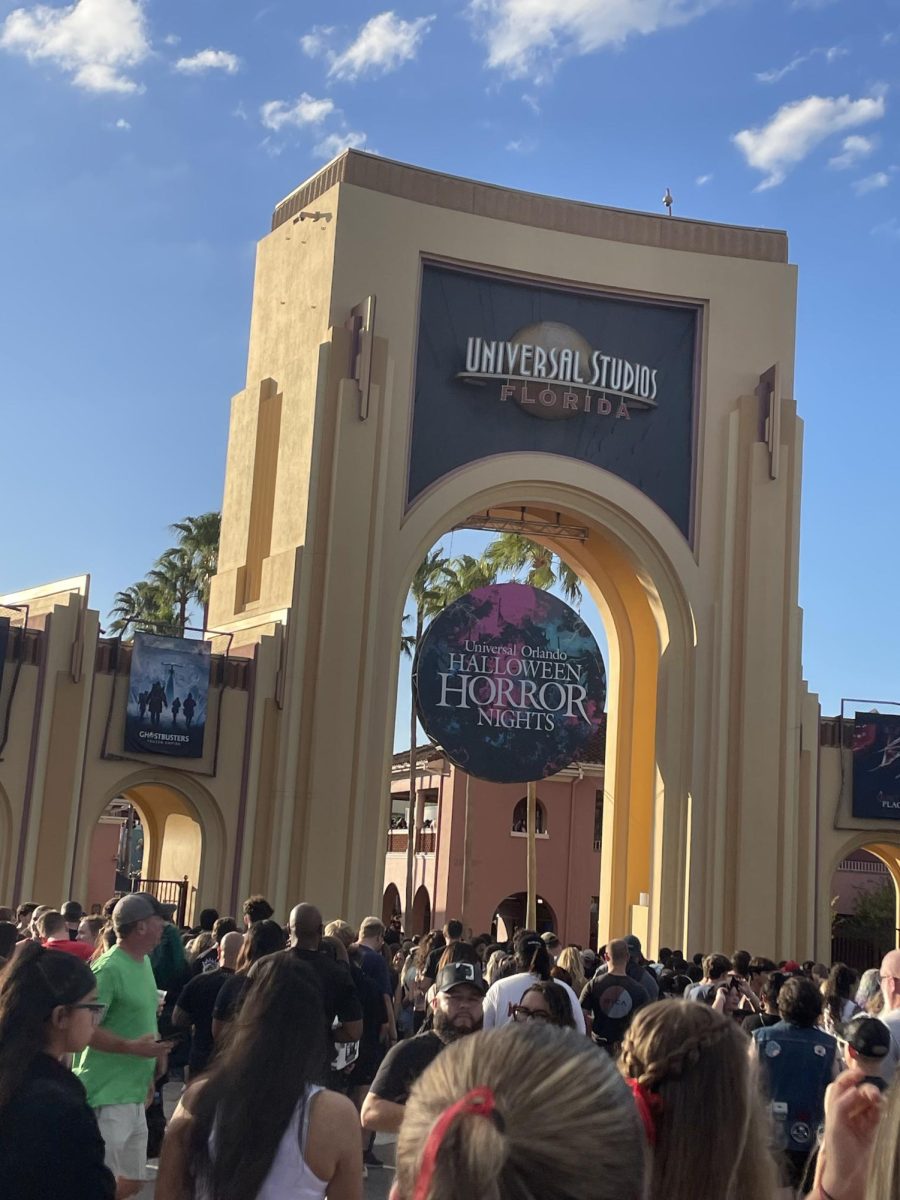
{"points": [[465, 862], [531, 883]]}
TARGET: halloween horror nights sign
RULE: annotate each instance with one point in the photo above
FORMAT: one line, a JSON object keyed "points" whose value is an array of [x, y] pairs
{"points": [[503, 366], [510, 683], [876, 766]]}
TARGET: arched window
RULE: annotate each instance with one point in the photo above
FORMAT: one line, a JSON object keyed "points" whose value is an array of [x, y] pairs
{"points": [[520, 817]]}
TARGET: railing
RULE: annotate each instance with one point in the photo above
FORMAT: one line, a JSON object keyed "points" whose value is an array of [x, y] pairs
{"points": [[860, 953], [398, 841], [867, 867], [166, 891]]}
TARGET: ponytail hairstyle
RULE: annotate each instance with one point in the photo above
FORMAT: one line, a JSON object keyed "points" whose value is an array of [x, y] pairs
{"points": [[262, 938], [35, 983], [570, 961], [689, 1068], [837, 990], [519, 1112], [531, 954], [457, 952]]}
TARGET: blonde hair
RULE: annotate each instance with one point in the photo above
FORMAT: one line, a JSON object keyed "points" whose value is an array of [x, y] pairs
{"points": [[565, 1126], [342, 931], [883, 1182], [570, 961], [712, 1124], [199, 945]]}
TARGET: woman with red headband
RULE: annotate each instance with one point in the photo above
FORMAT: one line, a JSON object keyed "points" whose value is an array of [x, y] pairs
{"points": [[519, 1112], [696, 1090]]}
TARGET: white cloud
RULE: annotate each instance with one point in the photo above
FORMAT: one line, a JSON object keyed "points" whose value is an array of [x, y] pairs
{"points": [[532, 103], [853, 150], [702, 180], [122, 124], [829, 53], [336, 143], [315, 42], [209, 60], [91, 39], [171, 39], [382, 45], [521, 146], [871, 183], [529, 37], [797, 128], [275, 114], [889, 229]]}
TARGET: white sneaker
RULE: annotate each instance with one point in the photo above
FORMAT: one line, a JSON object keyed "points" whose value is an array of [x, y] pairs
{"points": [[365, 1171]]}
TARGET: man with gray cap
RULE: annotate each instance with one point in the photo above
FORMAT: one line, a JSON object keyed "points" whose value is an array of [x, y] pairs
{"points": [[119, 1066]]}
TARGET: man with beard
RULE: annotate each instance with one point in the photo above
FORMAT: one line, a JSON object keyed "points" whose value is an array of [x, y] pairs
{"points": [[457, 1009]]}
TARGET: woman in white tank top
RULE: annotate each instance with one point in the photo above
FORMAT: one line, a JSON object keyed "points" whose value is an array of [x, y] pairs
{"points": [[257, 1126]]}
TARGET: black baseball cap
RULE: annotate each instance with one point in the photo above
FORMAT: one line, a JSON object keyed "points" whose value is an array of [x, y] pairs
{"points": [[454, 974], [868, 1036]]}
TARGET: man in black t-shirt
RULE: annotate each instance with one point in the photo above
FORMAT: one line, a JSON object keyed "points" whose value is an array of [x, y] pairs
{"points": [[195, 1004], [457, 1013], [339, 995], [611, 1000]]}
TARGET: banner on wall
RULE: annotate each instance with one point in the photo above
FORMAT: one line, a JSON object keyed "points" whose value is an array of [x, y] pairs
{"points": [[167, 696], [510, 683], [876, 766]]}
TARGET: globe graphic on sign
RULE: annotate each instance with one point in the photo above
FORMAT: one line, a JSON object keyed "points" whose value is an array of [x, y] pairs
{"points": [[553, 335]]}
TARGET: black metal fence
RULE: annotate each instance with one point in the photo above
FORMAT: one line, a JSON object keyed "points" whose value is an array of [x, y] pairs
{"points": [[860, 952], [166, 891]]}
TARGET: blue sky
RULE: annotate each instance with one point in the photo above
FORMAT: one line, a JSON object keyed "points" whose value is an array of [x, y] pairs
{"points": [[144, 144]]}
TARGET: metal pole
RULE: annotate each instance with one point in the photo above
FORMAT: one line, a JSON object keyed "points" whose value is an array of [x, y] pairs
{"points": [[531, 910], [465, 861]]}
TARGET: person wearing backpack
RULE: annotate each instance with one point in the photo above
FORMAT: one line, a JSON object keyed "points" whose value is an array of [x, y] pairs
{"points": [[797, 1063]]}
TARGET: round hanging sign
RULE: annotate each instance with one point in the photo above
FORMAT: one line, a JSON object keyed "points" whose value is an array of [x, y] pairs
{"points": [[510, 683]]}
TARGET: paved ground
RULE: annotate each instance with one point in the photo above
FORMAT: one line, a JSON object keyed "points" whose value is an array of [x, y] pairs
{"points": [[376, 1187]]}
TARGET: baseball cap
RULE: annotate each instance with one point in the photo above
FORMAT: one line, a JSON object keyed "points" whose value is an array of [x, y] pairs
{"points": [[791, 967], [549, 939], [137, 907], [456, 973], [868, 1036], [72, 910], [633, 943]]}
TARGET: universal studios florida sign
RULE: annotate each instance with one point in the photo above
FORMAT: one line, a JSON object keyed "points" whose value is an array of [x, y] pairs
{"points": [[550, 370]]}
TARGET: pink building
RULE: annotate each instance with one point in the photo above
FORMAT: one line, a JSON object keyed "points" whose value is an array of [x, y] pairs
{"points": [[486, 886], [856, 874]]}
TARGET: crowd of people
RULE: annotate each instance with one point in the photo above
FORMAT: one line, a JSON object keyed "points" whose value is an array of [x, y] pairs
{"points": [[505, 1071]]}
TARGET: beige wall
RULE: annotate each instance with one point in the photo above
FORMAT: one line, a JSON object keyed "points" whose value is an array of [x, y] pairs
{"points": [[705, 755]]}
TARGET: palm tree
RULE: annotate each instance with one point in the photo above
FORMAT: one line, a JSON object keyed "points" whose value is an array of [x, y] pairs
{"points": [[142, 602], [467, 574], [198, 537], [174, 576], [512, 554], [427, 593]]}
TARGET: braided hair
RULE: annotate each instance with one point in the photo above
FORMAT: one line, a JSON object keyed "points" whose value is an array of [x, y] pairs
{"points": [[35, 983], [711, 1124]]}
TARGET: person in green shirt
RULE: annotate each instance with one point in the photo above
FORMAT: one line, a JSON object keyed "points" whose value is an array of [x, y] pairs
{"points": [[125, 1055]]}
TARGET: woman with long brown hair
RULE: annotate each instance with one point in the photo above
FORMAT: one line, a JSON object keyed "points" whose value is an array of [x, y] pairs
{"points": [[696, 1090], [50, 1144], [259, 1126], [516, 1113]]}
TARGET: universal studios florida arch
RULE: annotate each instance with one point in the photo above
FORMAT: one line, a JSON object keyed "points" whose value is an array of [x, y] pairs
{"points": [[426, 350]]}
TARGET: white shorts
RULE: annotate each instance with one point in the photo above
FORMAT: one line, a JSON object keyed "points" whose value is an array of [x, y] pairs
{"points": [[124, 1131]]}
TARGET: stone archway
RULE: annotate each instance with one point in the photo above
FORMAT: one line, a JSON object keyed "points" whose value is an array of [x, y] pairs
{"points": [[848, 945], [390, 905], [509, 917], [641, 580], [421, 913], [183, 829]]}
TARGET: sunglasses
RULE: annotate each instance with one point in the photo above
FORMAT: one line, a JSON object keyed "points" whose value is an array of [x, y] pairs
{"points": [[521, 1013], [97, 1011]]}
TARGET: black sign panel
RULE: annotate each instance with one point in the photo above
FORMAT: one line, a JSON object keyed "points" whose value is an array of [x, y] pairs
{"points": [[504, 366], [167, 696], [510, 683], [876, 766]]}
